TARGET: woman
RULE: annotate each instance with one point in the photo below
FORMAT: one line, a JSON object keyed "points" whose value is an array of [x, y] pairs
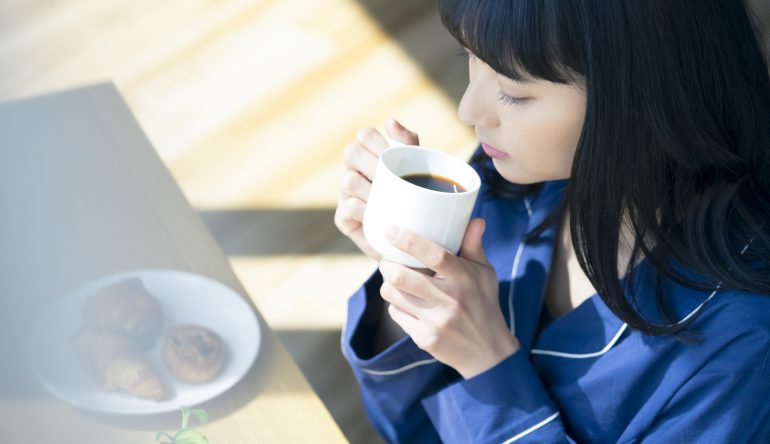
{"points": [[613, 284]]}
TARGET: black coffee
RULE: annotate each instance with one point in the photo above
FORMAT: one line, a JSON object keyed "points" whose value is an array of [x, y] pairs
{"points": [[434, 182]]}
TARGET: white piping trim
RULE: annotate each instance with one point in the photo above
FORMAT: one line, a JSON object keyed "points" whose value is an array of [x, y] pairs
{"points": [[533, 428], [746, 247], [624, 326], [398, 370], [529, 206], [606, 348], [713, 293], [705, 301], [514, 271]]}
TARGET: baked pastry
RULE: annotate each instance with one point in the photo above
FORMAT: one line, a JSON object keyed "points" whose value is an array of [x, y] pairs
{"points": [[117, 361], [193, 354], [126, 308]]}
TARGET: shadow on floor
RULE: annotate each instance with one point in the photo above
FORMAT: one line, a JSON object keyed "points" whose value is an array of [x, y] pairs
{"points": [[400, 20], [274, 232]]}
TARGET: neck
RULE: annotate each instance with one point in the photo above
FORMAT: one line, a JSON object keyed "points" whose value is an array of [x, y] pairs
{"points": [[568, 285]]}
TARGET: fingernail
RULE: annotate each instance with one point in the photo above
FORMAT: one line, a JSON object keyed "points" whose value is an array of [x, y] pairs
{"points": [[391, 232]]}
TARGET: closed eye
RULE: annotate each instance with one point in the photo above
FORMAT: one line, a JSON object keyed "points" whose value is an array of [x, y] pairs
{"points": [[464, 52], [510, 100]]}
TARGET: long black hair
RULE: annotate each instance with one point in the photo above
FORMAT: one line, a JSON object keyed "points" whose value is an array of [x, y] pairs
{"points": [[676, 137]]}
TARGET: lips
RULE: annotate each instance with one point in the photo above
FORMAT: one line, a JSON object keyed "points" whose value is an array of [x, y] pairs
{"points": [[493, 153]]}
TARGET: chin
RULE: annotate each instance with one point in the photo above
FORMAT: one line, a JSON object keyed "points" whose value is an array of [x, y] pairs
{"points": [[520, 177], [515, 175]]}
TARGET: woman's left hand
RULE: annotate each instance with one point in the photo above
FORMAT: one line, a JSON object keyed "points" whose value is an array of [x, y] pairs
{"points": [[455, 314]]}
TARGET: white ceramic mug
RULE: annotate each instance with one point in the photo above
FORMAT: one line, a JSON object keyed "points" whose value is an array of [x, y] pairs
{"points": [[439, 216]]}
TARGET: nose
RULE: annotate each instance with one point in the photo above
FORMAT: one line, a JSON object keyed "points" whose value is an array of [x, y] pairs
{"points": [[477, 107]]}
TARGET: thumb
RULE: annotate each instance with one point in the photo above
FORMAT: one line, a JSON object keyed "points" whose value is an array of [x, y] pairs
{"points": [[472, 247], [399, 133]]}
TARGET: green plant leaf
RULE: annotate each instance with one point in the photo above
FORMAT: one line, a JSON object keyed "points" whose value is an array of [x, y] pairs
{"points": [[160, 435], [190, 436], [185, 416], [185, 434], [201, 415]]}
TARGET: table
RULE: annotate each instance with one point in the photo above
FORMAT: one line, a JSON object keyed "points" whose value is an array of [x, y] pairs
{"points": [[83, 195]]}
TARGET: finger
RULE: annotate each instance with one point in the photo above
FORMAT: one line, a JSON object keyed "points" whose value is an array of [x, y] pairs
{"points": [[404, 300], [356, 185], [372, 140], [399, 133], [407, 322], [433, 255], [472, 247], [411, 282], [356, 157], [349, 214]]}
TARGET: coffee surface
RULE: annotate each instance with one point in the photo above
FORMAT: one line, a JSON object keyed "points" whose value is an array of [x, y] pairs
{"points": [[434, 182]]}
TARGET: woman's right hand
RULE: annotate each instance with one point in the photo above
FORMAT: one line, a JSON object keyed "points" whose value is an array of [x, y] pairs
{"points": [[360, 160]]}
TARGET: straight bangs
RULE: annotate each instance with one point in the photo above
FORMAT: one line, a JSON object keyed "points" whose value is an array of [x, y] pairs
{"points": [[521, 39]]}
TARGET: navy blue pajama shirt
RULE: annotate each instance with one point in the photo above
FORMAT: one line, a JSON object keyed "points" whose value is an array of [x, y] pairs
{"points": [[585, 377]]}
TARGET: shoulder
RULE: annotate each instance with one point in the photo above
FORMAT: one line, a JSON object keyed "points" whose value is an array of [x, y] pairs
{"points": [[730, 332], [734, 328], [737, 313], [718, 312]]}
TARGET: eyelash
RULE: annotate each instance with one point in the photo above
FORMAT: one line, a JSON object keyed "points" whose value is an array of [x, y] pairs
{"points": [[463, 52], [503, 97], [509, 100]]}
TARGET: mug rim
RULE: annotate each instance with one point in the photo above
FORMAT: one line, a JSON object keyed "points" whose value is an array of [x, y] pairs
{"points": [[476, 178]]}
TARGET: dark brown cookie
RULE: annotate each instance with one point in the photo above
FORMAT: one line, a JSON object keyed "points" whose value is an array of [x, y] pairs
{"points": [[193, 354]]}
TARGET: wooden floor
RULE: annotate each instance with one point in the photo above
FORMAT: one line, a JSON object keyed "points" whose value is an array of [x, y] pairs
{"points": [[249, 103]]}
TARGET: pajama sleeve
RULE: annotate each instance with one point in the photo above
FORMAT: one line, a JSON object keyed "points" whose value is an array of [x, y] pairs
{"points": [[394, 381], [505, 404], [410, 397]]}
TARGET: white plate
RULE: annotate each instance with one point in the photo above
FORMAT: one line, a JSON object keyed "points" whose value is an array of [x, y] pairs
{"points": [[186, 298]]}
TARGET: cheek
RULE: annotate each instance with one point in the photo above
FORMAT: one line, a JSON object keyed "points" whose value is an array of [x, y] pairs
{"points": [[571, 120], [542, 142], [546, 134], [560, 137]]}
